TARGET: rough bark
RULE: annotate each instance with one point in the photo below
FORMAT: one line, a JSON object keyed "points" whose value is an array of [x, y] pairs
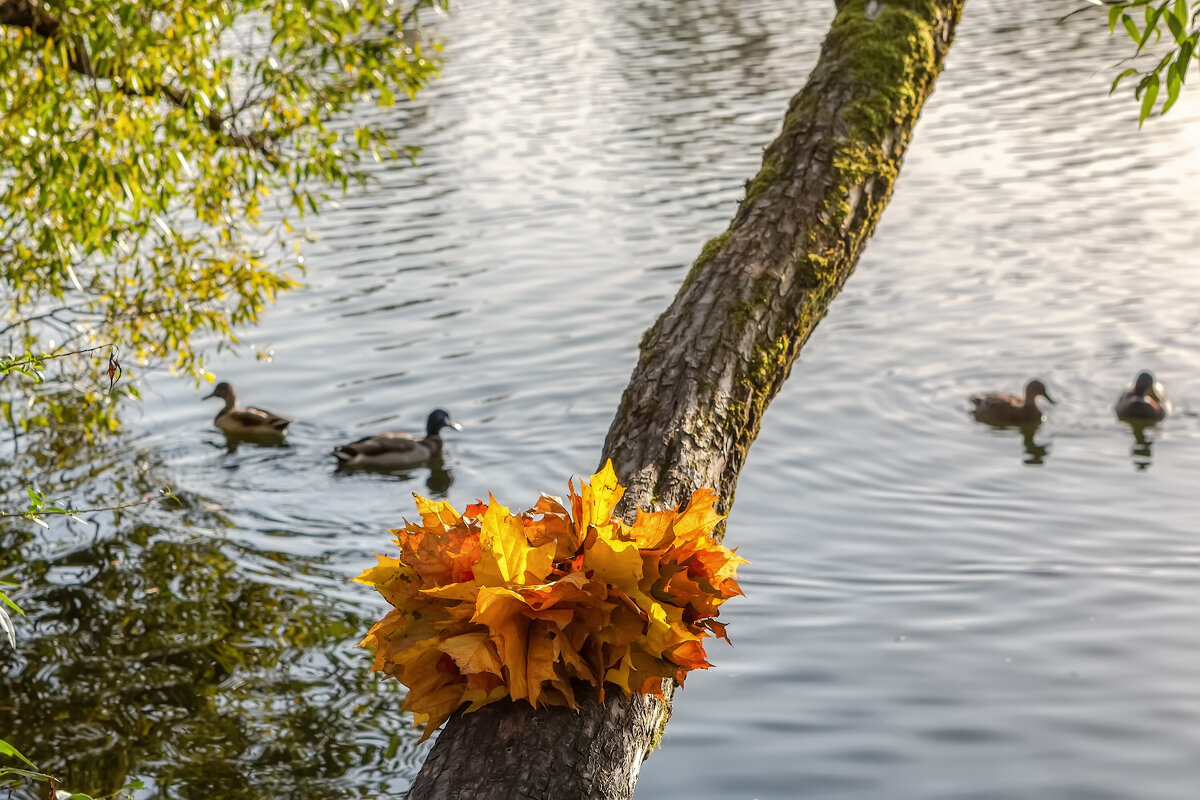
{"points": [[712, 362]]}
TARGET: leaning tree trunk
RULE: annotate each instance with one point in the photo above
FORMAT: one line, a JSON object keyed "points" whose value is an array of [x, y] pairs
{"points": [[713, 361]]}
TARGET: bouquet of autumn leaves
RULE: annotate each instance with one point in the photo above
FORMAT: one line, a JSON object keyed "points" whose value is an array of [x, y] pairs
{"points": [[490, 604]]}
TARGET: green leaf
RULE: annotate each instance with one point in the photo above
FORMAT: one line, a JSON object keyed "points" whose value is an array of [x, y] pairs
{"points": [[1114, 14], [8, 600], [1185, 57], [1152, 18], [7, 749], [1132, 29], [7, 627], [1150, 82], [1180, 13], [1178, 31], [24, 773], [1121, 77], [1164, 61], [1174, 82]]}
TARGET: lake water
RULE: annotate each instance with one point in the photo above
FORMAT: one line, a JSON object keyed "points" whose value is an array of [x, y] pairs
{"points": [[934, 609]]}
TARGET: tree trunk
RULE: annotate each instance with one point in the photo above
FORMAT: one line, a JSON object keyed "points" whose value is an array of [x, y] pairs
{"points": [[712, 362]]}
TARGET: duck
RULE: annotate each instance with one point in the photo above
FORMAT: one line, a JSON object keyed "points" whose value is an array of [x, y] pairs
{"points": [[395, 450], [1007, 409], [249, 421], [1145, 401]]}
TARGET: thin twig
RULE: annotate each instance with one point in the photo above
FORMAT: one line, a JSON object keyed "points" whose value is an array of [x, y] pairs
{"points": [[164, 493], [49, 356]]}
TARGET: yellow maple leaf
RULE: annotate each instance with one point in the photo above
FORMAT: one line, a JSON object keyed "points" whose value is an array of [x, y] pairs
{"points": [[540, 659], [620, 674], [506, 555], [600, 496], [472, 652], [697, 520], [653, 529], [396, 581], [400, 629], [480, 697], [466, 591], [434, 693], [436, 511], [665, 629], [649, 672], [498, 609], [617, 562]]}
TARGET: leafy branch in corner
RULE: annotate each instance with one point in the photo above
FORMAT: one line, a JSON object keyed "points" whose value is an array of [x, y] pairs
{"points": [[156, 158], [1148, 23]]}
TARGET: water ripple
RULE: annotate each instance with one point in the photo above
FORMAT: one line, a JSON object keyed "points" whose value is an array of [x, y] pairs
{"points": [[936, 609]]}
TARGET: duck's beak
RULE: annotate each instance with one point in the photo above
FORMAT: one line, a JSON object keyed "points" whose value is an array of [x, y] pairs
{"points": [[1049, 399], [454, 425], [210, 394], [1154, 393]]}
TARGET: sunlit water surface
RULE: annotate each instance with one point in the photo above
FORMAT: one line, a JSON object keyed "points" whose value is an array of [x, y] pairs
{"points": [[934, 609]]}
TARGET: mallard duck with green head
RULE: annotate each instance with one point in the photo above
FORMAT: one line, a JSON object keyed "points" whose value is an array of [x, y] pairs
{"points": [[396, 450], [1144, 401]]}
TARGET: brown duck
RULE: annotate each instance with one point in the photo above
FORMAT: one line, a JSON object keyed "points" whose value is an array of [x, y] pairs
{"points": [[1008, 409], [249, 421]]}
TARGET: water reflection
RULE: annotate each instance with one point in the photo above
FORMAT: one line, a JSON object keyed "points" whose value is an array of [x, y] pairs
{"points": [[438, 481], [267, 441], [1142, 444], [1035, 454], [157, 655]]}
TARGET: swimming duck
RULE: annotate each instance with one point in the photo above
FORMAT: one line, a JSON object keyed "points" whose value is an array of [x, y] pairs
{"points": [[248, 421], [395, 450], [1145, 401], [1007, 409]]}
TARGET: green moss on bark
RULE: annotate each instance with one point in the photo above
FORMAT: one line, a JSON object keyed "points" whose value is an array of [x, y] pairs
{"points": [[765, 178], [771, 357], [710, 249], [894, 54]]}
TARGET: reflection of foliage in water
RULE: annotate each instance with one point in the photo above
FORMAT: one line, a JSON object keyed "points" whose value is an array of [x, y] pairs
{"points": [[167, 657]]}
